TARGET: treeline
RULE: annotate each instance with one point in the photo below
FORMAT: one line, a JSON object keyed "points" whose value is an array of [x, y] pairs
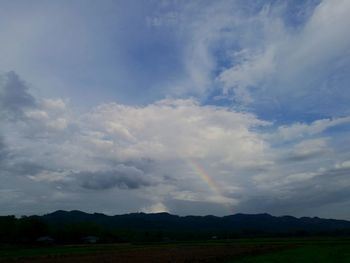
{"points": [[25, 229], [75, 227], [34, 230]]}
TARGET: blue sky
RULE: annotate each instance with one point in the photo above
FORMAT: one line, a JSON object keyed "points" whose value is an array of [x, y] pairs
{"points": [[114, 100]]}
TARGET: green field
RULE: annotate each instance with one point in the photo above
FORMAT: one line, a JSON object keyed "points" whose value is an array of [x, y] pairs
{"points": [[240, 250], [328, 252]]}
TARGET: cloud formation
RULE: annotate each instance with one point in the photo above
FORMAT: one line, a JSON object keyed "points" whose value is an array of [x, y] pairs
{"points": [[14, 96], [148, 152], [280, 59], [122, 176], [197, 108]]}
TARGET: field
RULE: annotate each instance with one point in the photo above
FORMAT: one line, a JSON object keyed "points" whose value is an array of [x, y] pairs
{"points": [[240, 250]]}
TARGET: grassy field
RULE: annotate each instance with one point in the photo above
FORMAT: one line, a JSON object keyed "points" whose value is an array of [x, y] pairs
{"points": [[240, 250], [309, 252]]}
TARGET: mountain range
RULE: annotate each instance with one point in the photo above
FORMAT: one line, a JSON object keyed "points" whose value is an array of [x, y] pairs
{"points": [[257, 223]]}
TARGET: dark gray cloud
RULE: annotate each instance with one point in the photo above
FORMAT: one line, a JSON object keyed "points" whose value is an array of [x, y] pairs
{"points": [[3, 151], [12, 164], [303, 197], [302, 157], [308, 200], [124, 177], [26, 168], [14, 96]]}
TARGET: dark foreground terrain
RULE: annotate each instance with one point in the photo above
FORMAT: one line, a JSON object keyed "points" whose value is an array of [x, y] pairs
{"points": [[163, 237], [240, 250]]}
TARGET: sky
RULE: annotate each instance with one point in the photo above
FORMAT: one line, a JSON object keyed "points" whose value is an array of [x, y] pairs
{"points": [[187, 107]]}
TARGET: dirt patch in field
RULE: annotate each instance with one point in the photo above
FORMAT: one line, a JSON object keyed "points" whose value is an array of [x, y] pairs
{"points": [[203, 254]]}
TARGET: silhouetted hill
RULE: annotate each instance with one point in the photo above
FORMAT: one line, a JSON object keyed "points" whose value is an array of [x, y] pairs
{"points": [[239, 223], [73, 227]]}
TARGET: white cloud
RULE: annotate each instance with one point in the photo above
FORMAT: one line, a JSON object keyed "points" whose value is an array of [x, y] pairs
{"points": [[249, 72], [265, 63], [172, 129], [301, 130], [310, 148], [343, 165], [155, 208], [300, 177], [58, 105]]}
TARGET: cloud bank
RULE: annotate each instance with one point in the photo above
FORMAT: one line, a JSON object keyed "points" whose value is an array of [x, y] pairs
{"points": [[174, 154]]}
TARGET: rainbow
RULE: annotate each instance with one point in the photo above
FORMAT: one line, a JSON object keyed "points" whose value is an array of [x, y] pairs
{"points": [[208, 180], [205, 177]]}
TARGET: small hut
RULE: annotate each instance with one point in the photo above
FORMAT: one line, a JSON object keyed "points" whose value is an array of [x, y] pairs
{"points": [[90, 239], [45, 240]]}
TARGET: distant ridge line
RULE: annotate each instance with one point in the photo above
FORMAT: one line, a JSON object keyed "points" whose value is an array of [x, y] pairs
{"points": [[209, 215], [264, 223]]}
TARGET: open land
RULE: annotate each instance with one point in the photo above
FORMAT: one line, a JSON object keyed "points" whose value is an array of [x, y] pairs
{"points": [[240, 250]]}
